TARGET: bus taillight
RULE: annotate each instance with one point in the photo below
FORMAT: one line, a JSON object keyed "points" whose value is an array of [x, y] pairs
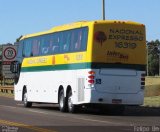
{"points": [[142, 81], [91, 77], [91, 72], [91, 81]]}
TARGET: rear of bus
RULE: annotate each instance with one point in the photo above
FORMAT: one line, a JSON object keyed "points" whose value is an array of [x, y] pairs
{"points": [[118, 60]]}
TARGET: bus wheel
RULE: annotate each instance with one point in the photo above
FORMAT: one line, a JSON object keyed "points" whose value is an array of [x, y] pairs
{"points": [[25, 100], [62, 102], [71, 107]]}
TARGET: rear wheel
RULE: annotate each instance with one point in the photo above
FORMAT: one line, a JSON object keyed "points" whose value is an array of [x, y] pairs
{"points": [[25, 100], [71, 107], [62, 102]]}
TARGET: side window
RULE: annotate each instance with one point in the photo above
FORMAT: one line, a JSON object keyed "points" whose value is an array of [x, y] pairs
{"points": [[84, 38], [66, 41], [27, 49], [74, 41], [19, 54], [55, 40], [45, 45], [36, 47], [79, 39]]}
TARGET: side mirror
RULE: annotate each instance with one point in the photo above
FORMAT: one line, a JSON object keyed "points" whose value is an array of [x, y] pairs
{"points": [[14, 67]]}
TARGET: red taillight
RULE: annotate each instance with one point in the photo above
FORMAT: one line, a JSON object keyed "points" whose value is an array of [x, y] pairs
{"points": [[91, 77], [91, 81], [91, 72]]}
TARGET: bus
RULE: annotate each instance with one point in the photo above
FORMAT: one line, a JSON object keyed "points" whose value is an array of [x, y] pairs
{"points": [[86, 63]]}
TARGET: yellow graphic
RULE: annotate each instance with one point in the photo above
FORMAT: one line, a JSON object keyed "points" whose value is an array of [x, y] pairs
{"points": [[119, 42], [55, 59]]}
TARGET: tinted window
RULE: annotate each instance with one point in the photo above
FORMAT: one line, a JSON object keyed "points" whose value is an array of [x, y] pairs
{"points": [[20, 49], [74, 40], [45, 45], [27, 49], [79, 39], [55, 47], [35, 47]]}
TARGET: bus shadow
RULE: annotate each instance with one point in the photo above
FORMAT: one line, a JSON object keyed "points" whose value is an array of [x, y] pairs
{"points": [[129, 111], [49, 107], [142, 111]]}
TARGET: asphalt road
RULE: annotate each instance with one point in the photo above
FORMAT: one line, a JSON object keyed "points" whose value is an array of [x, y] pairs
{"points": [[47, 118]]}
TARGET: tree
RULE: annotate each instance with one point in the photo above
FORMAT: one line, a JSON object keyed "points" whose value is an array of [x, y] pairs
{"points": [[153, 57]]}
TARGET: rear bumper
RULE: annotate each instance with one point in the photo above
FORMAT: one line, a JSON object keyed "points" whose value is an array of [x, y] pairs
{"points": [[111, 98]]}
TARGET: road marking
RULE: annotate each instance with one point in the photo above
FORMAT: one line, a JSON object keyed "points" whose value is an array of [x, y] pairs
{"points": [[12, 107], [66, 116], [40, 112], [5, 122], [77, 118], [100, 121], [20, 104]]}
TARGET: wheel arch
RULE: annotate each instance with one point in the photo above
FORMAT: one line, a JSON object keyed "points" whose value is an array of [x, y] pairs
{"points": [[23, 91]]}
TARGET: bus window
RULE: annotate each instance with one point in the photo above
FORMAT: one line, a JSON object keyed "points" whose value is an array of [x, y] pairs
{"points": [[55, 46], [20, 50], [35, 47], [79, 39], [84, 38], [66, 41], [75, 41], [45, 45], [27, 49]]}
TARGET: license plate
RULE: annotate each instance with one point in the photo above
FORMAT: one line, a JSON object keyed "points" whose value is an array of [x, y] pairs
{"points": [[116, 101]]}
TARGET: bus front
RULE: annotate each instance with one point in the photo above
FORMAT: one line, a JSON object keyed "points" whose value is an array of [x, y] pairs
{"points": [[118, 60]]}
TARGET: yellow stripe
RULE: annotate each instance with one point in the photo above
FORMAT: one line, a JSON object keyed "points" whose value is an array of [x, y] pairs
{"points": [[59, 59], [5, 122]]}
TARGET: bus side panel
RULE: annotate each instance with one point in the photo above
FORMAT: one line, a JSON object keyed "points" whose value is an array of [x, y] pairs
{"points": [[44, 86]]}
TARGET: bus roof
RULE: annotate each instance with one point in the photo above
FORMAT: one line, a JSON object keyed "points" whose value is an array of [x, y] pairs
{"points": [[78, 25]]}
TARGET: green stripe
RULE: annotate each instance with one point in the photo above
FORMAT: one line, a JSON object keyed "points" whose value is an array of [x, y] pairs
{"points": [[76, 66], [118, 65]]}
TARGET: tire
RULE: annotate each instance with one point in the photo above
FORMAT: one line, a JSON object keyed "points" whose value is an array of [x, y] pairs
{"points": [[25, 100], [62, 102], [71, 107]]}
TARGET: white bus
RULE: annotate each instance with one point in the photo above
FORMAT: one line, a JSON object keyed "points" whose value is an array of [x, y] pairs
{"points": [[100, 63]]}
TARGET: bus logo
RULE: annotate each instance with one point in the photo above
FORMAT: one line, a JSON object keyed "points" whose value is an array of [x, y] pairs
{"points": [[100, 37]]}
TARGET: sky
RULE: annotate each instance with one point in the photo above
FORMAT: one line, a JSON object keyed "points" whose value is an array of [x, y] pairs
{"points": [[20, 17]]}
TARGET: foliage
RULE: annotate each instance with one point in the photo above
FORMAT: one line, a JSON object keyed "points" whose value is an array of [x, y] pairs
{"points": [[153, 57]]}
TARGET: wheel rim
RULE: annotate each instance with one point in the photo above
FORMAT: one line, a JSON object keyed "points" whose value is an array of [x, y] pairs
{"points": [[70, 104], [61, 102], [25, 98]]}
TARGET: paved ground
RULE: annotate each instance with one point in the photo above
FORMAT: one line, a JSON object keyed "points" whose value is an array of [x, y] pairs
{"points": [[13, 116]]}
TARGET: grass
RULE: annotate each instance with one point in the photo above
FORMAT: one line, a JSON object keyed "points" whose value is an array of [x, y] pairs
{"points": [[9, 94], [153, 101]]}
